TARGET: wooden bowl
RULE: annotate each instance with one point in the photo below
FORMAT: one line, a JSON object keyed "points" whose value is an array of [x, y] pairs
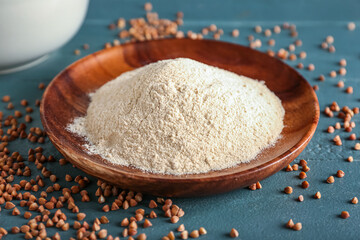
{"points": [[67, 97]]}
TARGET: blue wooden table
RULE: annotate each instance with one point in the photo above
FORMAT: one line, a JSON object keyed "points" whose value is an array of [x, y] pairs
{"points": [[260, 214]]}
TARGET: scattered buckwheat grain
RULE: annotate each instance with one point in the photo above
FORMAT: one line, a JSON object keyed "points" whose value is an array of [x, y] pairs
{"points": [[288, 190], [290, 224], [234, 233], [317, 195], [297, 227], [330, 179], [345, 214], [351, 26], [340, 174]]}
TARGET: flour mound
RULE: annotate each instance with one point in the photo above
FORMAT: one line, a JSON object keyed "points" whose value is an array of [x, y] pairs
{"points": [[180, 116]]}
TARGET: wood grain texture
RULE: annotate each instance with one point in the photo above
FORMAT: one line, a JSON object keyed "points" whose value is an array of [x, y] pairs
{"points": [[67, 97]]}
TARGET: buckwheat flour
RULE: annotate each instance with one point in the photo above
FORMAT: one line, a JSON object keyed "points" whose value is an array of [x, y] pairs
{"points": [[180, 116]]}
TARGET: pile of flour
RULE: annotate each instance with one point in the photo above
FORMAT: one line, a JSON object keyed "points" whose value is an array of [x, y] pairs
{"points": [[180, 116]]}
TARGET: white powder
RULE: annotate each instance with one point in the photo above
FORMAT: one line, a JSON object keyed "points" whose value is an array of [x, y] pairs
{"points": [[180, 116]]}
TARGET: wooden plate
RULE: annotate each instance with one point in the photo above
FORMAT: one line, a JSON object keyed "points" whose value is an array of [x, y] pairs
{"points": [[67, 97]]}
